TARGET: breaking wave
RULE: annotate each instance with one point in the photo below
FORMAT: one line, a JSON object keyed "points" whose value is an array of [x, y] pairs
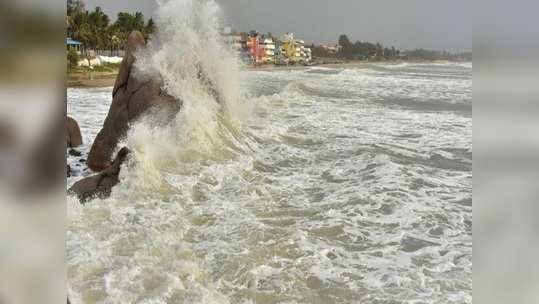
{"points": [[197, 68]]}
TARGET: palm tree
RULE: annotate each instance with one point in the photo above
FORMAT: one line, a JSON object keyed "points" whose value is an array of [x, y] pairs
{"points": [[149, 29], [138, 22], [78, 28], [98, 23]]}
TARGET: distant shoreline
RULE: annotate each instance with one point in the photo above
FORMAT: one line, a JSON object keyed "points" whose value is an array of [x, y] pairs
{"points": [[100, 80]]}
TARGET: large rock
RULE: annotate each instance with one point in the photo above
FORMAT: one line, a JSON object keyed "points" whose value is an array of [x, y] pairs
{"points": [[74, 137], [100, 185], [132, 96]]}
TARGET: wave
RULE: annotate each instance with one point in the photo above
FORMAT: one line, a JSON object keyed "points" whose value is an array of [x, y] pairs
{"points": [[197, 68]]}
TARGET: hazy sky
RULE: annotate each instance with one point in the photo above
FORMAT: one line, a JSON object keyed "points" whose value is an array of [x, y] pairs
{"points": [[406, 24]]}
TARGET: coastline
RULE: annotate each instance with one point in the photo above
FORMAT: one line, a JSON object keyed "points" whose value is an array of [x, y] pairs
{"points": [[101, 80]]}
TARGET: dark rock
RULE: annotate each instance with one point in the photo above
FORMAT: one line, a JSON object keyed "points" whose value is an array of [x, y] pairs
{"points": [[68, 171], [100, 185], [74, 137], [132, 96], [82, 160], [74, 152]]}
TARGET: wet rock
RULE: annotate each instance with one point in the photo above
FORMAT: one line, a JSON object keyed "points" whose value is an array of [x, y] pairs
{"points": [[132, 96], [68, 171], [74, 137], [74, 152], [101, 184]]}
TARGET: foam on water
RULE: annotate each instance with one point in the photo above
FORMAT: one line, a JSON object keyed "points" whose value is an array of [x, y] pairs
{"points": [[341, 185]]}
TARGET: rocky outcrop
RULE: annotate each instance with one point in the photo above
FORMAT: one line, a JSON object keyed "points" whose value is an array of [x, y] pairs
{"points": [[100, 185], [132, 96], [74, 137]]}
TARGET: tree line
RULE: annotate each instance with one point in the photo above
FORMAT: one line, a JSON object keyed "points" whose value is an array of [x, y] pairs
{"points": [[423, 54], [365, 50], [95, 30]]}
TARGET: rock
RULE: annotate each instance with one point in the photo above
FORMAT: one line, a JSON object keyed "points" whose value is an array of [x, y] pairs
{"points": [[68, 171], [132, 96], [74, 137], [74, 152], [100, 185]]}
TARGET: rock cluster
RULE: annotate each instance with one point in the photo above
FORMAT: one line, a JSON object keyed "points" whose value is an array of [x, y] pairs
{"points": [[100, 185], [132, 96]]}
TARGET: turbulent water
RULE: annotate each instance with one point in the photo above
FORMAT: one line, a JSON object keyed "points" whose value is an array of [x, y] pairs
{"points": [[312, 185], [343, 186]]}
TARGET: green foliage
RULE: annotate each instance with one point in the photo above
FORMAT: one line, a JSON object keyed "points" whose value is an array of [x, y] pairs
{"points": [[423, 54], [94, 30], [74, 7], [365, 50], [149, 29], [72, 58]]}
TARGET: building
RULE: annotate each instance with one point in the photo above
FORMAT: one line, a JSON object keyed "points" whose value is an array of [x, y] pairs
{"points": [[267, 45], [308, 55], [331, 48], [300, 50], [234, 39], [257, 49], [291, 50], [253, 46], [74, 44], [280, 58]]}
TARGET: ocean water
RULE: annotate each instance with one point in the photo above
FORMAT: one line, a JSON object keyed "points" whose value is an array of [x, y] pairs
{"points": [[312, 185], [337, 185]]}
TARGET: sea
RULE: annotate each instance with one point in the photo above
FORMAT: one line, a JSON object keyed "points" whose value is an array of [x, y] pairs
{"points": [[343, 184]]}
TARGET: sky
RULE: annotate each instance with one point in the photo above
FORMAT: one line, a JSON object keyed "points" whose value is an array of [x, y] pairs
{"points": [[405, 24]]}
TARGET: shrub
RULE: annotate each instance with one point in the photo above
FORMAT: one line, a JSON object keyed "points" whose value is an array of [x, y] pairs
{"points": [[72, 58]]}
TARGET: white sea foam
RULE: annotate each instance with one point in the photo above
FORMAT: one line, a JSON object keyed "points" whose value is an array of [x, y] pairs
{"points": [[201, 72]]}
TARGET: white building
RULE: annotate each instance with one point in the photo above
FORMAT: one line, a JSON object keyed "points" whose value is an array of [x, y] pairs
{"points": [[232, 39], [268, 50], [308, 55]]}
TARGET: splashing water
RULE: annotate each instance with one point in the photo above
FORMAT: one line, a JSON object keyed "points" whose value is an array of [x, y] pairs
{"points": [[197, 68]]}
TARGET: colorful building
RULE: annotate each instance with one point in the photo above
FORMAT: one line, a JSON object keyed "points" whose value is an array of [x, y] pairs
{"points": [[290, 48], [267, 45], [253, 46]]}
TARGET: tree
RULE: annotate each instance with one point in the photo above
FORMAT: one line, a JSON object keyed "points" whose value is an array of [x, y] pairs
{"points": [[379, 51], [93, 29], [344, 41], [98, 23], [79, 28], [75, 7], [347, 48], [149, 29], [126, 23], [72, 58]]}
